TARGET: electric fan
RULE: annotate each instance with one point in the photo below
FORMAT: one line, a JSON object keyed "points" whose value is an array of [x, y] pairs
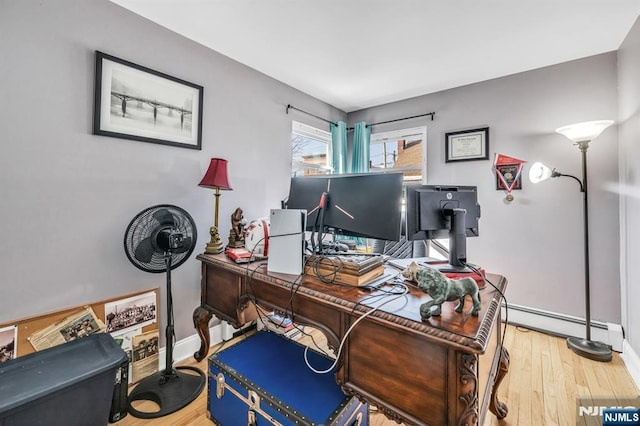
{"points": [[159, 239]]}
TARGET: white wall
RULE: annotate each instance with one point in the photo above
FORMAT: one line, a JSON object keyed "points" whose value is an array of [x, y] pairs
{"points": [[629, 118], [66, 196], [537, 240]]}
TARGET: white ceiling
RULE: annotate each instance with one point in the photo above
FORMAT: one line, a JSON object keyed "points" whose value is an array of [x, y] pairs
{"points": [[355, 54]]}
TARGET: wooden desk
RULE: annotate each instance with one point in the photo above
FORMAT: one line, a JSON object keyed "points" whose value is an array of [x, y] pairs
{"points": [[444, 371]]}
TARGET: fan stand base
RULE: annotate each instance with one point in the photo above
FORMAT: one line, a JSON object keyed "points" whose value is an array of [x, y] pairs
{"points": [[170, 391]]}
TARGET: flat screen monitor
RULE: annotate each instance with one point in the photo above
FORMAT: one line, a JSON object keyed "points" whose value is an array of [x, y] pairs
{"points": [[360, 205], [453, 212]]}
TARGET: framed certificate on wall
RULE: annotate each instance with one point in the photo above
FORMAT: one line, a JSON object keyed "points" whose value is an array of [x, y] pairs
{"points": [[467, 145]]}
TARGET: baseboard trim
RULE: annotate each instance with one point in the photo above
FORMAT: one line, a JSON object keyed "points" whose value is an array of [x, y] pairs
{"points": [[632, 362], [564, 325], [188, 346]]}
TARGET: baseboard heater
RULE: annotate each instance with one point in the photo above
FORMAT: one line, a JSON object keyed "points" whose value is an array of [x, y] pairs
{"points": [[563, 325]]}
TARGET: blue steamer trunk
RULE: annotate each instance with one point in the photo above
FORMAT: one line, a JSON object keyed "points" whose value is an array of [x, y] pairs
{"points": [[264, 380]]}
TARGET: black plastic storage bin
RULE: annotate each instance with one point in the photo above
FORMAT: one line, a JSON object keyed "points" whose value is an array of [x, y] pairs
{"points": [[70, 384]]}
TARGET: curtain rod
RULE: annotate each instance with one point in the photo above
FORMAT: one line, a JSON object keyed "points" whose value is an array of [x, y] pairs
{"points": [[312, 115], [405, 118], [368, 125]]}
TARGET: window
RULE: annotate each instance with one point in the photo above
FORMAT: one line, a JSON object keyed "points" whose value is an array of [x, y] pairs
{"points": [[405, 150], [310, 150], [400, 150]]}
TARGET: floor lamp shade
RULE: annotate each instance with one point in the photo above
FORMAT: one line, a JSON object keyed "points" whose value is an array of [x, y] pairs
{"points": [[584, 132], [539, 172]]}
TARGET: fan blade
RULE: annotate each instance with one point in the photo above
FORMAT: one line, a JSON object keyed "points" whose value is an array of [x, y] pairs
{"points": [[186, 246], [144, 251], [165, 217]]}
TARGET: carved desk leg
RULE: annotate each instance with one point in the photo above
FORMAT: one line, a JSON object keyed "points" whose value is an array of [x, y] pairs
{"points": [[498, 408], [201, 318]]}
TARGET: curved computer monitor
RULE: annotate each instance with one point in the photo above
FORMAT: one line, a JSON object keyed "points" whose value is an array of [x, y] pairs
{"points": [[360, 205], [436, 211]]}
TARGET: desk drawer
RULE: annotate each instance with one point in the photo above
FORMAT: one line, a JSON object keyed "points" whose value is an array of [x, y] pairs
{"points": [[264, 380]]}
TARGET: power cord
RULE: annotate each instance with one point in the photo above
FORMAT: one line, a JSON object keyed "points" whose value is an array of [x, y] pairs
{"points": [[337, 265], [506, 304], [346, 335], [332, 263]]}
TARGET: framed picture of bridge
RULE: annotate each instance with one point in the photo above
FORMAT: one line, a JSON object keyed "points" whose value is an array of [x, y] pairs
{"points": [[138, 103]]}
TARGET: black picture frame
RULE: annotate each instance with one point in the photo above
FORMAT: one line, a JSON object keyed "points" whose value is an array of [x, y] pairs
{"points": [[467, 145], [141, 104]]}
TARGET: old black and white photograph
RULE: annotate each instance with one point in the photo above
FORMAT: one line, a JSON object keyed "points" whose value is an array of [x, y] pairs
{"points": [[80, 327], [145, 356], [136, 311], [134, 102], [8, 337]]}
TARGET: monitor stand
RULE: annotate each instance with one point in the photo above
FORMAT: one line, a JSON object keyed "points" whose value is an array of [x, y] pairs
{"points": [[457, 244], [448, 268]]}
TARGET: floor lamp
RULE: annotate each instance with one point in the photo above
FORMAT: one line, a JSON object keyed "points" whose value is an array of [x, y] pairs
{"points": [[581, 134]]}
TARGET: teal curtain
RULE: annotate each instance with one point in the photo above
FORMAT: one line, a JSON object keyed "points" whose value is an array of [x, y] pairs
{"points": [[361, 144], [339, 147], [360, 161]]}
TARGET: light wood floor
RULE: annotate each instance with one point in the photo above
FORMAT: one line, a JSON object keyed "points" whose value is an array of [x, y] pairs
{"points": [[541, 388]]}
